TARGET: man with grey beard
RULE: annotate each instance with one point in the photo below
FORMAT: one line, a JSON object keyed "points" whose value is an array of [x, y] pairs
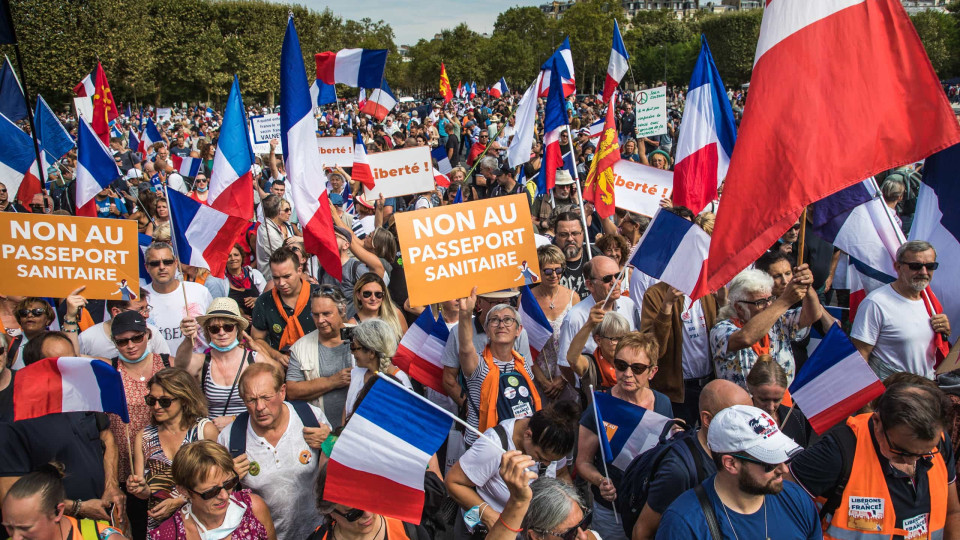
{"points": [[569, 239], [894, 328]]}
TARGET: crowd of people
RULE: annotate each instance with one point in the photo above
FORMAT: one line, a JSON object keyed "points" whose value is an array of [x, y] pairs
{"points": [[237, 385]]}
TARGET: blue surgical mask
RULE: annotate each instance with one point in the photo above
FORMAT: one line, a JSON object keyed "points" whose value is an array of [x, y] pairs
{"points": [[201, 189], [143, 357], [228, 348]]}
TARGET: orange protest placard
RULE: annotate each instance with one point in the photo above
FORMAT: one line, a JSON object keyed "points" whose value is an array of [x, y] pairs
{"points": [[47, 255], [448, 250]]}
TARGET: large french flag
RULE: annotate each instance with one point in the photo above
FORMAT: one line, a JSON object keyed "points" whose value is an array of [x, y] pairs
{"points": [[298, 135], [203, 235], [361, 171], [322, 93], [187, 166], [554, 123], [231, 182], [629, 430], [499, 89], [834, 382], [707, 136], [353, 67], [380, 102], [421, 348], [827, 55], [560, 62], [68, 384], [618, 65], [149, 137], [18, 158], [96, 169], [379, 460], [675, 251], [443, 162], [534, 321]]}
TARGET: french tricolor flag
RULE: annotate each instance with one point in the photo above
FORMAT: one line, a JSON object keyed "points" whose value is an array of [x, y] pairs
{"points": [[203, 235], [554, 123], [618, 65], [187, 166], [473, 90], [834, 382], [68, 384], [380, 102], [675, 251], [378, 461], [534, 321], [149, 137], [421, 348], [707, 135], [298, 135], [96, 169], [133, 142], [353, 67], [596, 128], [231, 182], [443, 162], [499, 89], [86, 87], [562, 63], [361, 171], [441, 179], [629, 430], [18, 159]]}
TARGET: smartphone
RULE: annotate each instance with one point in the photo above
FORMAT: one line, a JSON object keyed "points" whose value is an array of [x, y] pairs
{"points": [[346, 333]]}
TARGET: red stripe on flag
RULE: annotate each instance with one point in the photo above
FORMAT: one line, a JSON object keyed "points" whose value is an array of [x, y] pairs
{"points": [[237, 198], [695, 179], [326, 66], [319, 240], [373, 493], [218, 251], [38, 390], [29, 186], [842, 409], [88, 210]]}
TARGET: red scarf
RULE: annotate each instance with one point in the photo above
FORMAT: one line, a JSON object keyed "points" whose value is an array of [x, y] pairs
{"points": [[939, 341], [760, 347], [243, 282]]}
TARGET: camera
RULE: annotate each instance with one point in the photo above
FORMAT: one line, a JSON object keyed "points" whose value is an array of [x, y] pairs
{"points": [[346, 333]]}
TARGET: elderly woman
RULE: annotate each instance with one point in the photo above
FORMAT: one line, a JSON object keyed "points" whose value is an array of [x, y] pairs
{"points": [[754, 322], [178, 417], [33, 315], [203, 471], [373, 345], [767, 385], [219, 369], [607, 329], [371, 299], [555, 300], [635, 363]]}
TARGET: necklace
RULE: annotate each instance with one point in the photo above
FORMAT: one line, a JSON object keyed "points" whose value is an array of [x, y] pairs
{"points": [[724, 506], [579, 264], [554, 299]]}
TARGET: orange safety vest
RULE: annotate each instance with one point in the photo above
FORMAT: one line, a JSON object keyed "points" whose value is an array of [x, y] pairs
{"points": [[395, 530], [866, 508], [490, 389], [86, 529]]}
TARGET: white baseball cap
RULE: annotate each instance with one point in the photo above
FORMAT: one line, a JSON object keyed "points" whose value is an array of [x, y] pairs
{"points": [[742, 428]]}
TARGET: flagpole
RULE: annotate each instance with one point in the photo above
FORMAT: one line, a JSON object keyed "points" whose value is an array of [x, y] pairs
{"points": [[576, 176], [176, 252], [603, 457], [803, 235], [499, 131], [26, 99]]}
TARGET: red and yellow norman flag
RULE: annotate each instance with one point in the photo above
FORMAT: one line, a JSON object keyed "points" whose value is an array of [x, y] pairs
{"points": [[445, 88], [599, 186], [104, 107]]}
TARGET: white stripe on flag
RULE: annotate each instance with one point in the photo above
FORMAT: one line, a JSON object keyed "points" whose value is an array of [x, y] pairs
{"points": [[81, 390], [644, 437], [203, 229], [835, 384], [87, 186], [685, 265], [347, 67], [699, 121], [782, 18], [432, 350], [395, 459]]}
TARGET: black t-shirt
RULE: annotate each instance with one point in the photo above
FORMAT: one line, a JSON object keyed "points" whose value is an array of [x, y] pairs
{"points": [[72, 439], [6, 401], [673, 478], [797, 427], [819, 467], [266, 317], [453, 143], [572, 277]]}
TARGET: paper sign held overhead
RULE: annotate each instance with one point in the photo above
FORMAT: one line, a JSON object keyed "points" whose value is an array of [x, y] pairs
{"points": [[639, 188], [486, 244], [47, 255], [651, 110], [400, 172], [263, 128], [336, 151]]}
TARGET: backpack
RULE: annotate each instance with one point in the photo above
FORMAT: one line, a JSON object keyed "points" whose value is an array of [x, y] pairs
{"points": [[848, 447], [238, 430], [635, 484]]}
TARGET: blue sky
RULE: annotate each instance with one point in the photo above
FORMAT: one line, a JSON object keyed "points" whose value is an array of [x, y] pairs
{"points": [[415, 19]]}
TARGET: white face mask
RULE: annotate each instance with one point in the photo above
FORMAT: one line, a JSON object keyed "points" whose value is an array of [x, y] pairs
{"points": [[231, 521]]}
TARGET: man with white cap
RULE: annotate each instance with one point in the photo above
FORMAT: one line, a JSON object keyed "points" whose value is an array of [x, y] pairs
{"points": [[748, 494]]}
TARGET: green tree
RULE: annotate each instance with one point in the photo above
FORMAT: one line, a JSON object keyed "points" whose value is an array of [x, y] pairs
{"points": [[733, 41], [941, 39], [589, 24]]}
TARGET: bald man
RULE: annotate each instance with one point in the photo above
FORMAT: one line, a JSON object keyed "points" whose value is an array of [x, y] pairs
{"points": [[673, 477]]}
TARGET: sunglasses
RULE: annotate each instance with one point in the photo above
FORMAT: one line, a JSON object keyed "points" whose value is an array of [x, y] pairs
{"points": [[904, 454], [761, 302], [915, 266], [368, 294], [637, 369], [36, 312], [767, 467], [552, 271], [135, 339], [351, 515], [229, 485], [571, 533], [607, 278], [795, 227], [158, 262], [355, 348], [163, 401], [215, 328], [3, 191]]}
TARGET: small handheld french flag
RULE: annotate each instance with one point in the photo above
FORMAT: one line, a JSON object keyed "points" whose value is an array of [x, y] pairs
{"points": [[202, 234], [187, 166], [628, 430], [443, 162], [421, 348], [534, 321], [68, 384], [675, 251]]}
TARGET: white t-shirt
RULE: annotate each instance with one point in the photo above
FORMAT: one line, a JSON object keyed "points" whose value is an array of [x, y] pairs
{"points": [[95, 341], [168, 310], [287, 474], [577, 317], [899, 330], [481, 464], [356, 385], [695, 341]]}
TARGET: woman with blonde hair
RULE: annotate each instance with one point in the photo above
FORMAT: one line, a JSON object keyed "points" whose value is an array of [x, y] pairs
{"points": [[555, 300], [373, 344], [767, 384], [371, 300]]}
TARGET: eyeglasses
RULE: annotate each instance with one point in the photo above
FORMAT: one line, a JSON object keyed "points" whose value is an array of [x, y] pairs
{"points": [[229, 485], [637, 369], [351, 515], [607, 278], [915, 266], [761, 302], [904, 454], [158, 262], [552, 271], [36, 312], [163, 401], [123, 341], [614, 339], [368, 294], [215, 328], [767, 467], [571, 533], [506, 322], [795, 227], [145, 310], [256, 399]]}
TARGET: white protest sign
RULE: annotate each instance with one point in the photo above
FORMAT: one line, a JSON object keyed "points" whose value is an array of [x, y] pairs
{"points": [[336, 151], [164, 113], [400, 172], [262, 129], [84, 107], [639, 188], [652, 112]]}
